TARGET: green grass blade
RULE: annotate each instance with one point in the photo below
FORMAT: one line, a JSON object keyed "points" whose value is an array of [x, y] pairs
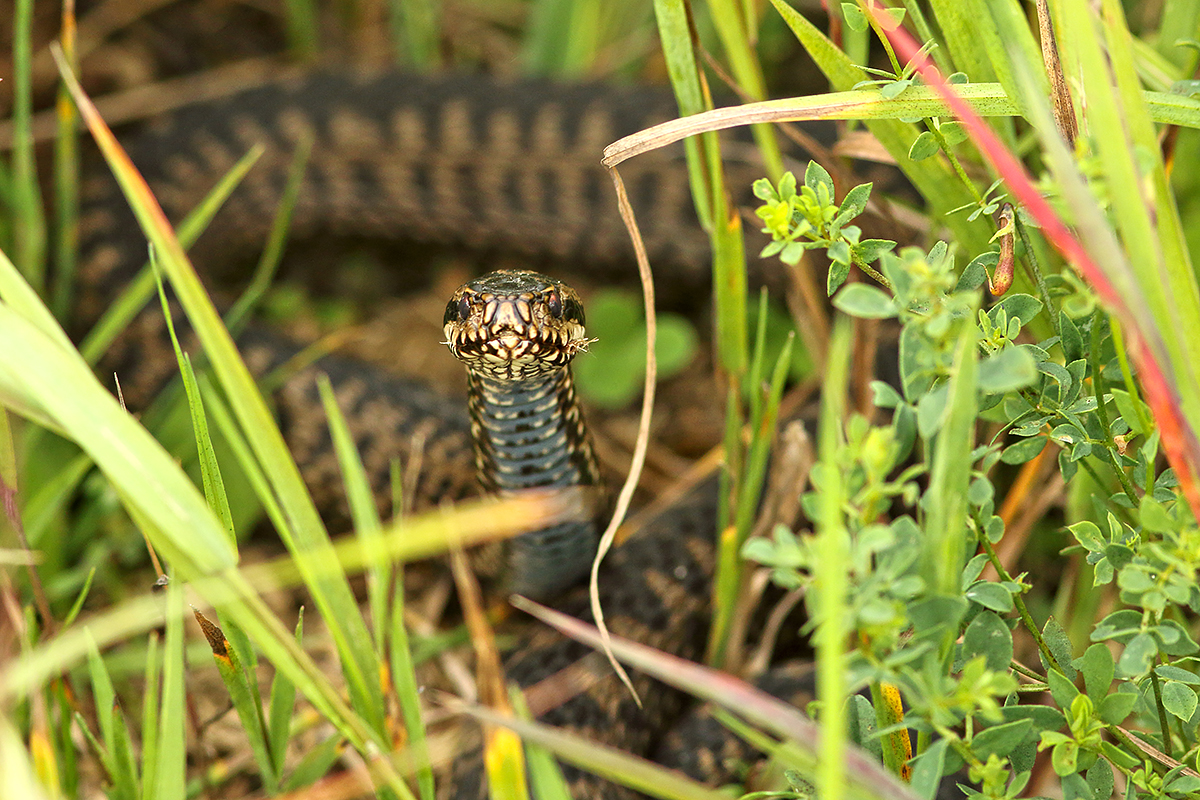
{"points": [[708, 188], [150, 705], [140, 289], [246, 701], [830, 580], [170, 756], [272, 254], [17, 778], [304, 37], [1180, 22], [675, 34], [281, 705], [105, 698], [210, 470], [315, 764], [305, 534], [362, 510], [18, 295], [547, 51], [945, 526], [151, 484], [79, 599], [762, 436], [961, 36], [731, 25], [30, 224], [246, 461], [50, 497], [545, 776], [404, 678], [33, 375], [416, 33], [66, 181], [1161, 268]]}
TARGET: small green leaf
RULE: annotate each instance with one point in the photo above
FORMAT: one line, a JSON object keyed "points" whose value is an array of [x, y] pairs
{"points": [[855, 203], [870, 250], [1001, 739], [1043, 717], [1183, 784], [861, 718], [763, 189], [1179, 699], [1128, 408], [1065, 758], [1060, 646], [838, 272], [815, 176], [953, 132], [892, 90], [992, 596], [1061, 688], [1154, 517], [1100, 779], [925, 145], [1024, 450], [1097, 667], [976, 273], [1138, 655], [1010, 369], [927, 770], [854, 17], [1118, 756], [884, 395], [1171, 672], [865, 301], [1021, 306], [1115, 708], [988, 636], [1121, 625]]}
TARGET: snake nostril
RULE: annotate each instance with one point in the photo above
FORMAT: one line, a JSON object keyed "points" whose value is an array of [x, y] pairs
{"points": [[554, 303]]}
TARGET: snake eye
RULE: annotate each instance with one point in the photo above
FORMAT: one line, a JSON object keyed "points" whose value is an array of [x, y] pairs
{"points": [[554, 303], [574, 311], [464, 308]]}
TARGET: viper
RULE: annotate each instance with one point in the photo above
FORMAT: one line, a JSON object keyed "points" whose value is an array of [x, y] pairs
{"points": [[464, 162]]}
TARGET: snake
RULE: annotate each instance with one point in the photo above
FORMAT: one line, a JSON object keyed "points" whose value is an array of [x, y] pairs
{"points": [[517, 332], [469, 162]]}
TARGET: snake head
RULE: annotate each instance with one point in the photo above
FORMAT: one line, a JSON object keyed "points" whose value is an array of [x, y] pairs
{"points": [[515, 325]]}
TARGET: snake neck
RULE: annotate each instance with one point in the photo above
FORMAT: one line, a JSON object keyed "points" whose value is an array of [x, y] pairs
{"points": [[531, 434]]}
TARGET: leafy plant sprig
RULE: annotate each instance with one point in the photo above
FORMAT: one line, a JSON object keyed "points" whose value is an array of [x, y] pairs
{"points": [[807, 218]]}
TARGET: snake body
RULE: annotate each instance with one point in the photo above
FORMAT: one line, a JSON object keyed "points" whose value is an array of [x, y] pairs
{"points": [[467, 162], [517, 331]]}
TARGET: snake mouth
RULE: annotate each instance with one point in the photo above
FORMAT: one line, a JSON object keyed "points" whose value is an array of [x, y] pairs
{"points": [[515, 325]]}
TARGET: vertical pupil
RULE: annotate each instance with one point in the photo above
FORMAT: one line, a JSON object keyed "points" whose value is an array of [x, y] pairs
{"points": [[554, 303], [464, 308]]}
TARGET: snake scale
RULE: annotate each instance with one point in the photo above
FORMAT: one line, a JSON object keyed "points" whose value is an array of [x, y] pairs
{"points": [[459, 161]]}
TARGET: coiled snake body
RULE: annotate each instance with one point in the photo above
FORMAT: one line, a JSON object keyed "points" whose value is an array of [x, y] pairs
{"points": [[510, 167]]}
